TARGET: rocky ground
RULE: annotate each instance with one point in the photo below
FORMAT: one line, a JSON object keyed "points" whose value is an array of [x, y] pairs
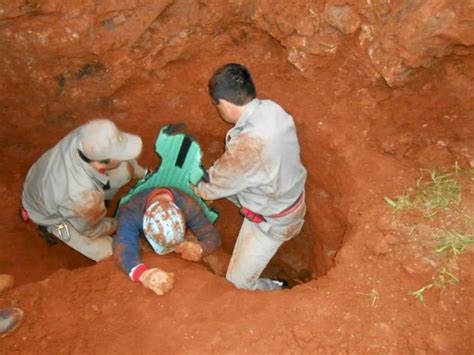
{"points": [[381, 96]]}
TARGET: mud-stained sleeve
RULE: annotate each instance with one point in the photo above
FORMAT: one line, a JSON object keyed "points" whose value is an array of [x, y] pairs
{"points": [[126, 242], [238, 168], [207, 235], [86, 211]]}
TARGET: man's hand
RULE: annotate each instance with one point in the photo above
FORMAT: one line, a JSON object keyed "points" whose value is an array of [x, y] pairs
{"points": [[190, 251], [157, 280], [136, 170], [196, 191]]}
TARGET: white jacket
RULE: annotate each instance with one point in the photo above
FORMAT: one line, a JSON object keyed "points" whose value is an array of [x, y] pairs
{"points": [[261, 164], [61, 187]]}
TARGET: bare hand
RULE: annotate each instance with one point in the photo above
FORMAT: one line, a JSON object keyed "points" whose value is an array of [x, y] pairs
{"points": [[190, 251], [136, 170], [196, 191], [157, 280]]}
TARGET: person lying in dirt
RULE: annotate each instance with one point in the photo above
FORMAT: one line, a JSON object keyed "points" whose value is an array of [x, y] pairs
{"points": [[161, 215], [65, 190], [260, 171]]}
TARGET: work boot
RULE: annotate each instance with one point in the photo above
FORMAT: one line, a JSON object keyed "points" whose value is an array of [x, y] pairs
{"points": [[46, 235], [10, 319], [42, 230], [280, 284]]}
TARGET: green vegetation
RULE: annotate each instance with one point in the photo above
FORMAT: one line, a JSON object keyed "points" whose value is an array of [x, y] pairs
{"points": [[453, 242], [419, 293], [401, 203], [439, 192], [443, 278], [432, 194]]}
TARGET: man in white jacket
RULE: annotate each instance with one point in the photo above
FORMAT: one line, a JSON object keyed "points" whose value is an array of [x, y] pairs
{"points": [[260, 171], [65, 190]]}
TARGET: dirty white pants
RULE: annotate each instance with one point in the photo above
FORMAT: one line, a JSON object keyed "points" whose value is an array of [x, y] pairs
{"points": [[256, 245], [94, 248]]}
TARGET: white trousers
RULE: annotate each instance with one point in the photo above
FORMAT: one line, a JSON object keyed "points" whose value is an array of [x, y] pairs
{"points": [[256, 245], [94, 248]]}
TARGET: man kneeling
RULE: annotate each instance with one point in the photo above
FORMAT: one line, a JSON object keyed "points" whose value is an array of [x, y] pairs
{"points": [[66, 189], [161, 215]]}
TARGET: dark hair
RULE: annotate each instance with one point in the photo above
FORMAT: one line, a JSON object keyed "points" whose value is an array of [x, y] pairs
{"points": [[232, 82], [87, 160]]}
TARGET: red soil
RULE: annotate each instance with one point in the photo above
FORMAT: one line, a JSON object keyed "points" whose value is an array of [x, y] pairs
{"points": [[361, 141]]}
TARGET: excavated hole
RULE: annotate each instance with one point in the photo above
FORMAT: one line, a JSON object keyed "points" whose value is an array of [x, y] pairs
{"points": [[311, 254]]}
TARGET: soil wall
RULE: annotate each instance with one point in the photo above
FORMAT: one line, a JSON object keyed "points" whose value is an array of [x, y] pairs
{"points": [[380, 92]]}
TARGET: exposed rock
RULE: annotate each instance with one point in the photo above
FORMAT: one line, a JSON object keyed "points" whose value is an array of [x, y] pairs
{"points": [[308, 26], [342, 17], [398, 144], [285, 26], [131, 37], [299, 29], [408, 35]]}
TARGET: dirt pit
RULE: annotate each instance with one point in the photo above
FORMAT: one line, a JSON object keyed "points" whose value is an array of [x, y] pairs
{"points": [[365, 278]]}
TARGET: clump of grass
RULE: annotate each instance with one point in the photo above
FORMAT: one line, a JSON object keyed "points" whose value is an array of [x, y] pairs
{"points": [[443, 278], [419, 294], [401, 203], [435, 192], [453, 242], [441, 191]]}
